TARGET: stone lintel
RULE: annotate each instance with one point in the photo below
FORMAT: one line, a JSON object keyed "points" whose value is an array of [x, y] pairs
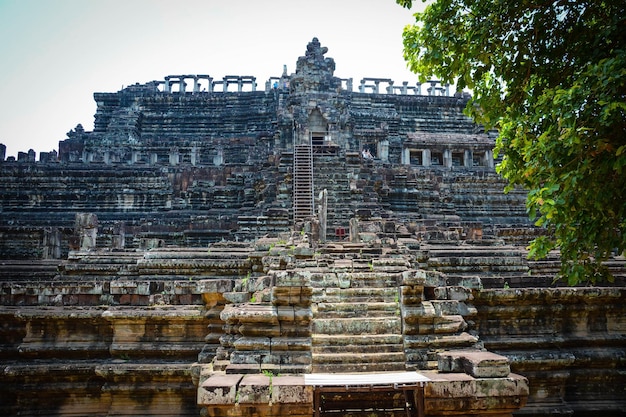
{"points": [[477, 363]]}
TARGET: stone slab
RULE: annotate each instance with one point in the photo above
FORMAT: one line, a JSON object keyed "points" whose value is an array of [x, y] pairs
{"points": [[219, 389]]}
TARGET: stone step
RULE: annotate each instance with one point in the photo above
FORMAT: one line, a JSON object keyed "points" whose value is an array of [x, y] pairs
{"points": [[374, 363], [357, 358], [356, 310], [354, 295], [358, 279], [341, 340], [352, 326]]}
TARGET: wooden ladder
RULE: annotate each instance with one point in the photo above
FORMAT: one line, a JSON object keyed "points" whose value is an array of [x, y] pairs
{"points": [[302, 182]]}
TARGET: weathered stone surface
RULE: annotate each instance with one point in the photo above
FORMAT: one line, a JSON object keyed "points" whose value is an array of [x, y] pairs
{"points": [[479, 364], [171, 233], [219, 389]]}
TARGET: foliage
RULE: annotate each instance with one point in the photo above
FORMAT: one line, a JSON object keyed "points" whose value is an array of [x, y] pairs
{"points": [[551, 77]]}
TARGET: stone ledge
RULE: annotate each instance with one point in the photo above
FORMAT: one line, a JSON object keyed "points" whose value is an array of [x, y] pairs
{"points": [[479, 364], [443, 392], [453, 392], [243, 389]]}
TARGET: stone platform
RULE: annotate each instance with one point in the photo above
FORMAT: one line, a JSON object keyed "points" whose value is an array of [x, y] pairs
{"points": [[486, 388]]}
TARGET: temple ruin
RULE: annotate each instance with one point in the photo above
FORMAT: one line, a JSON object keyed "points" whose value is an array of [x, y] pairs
{"points": [[310, 246]]}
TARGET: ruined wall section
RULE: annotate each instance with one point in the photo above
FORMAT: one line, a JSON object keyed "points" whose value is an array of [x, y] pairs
{"points": [[569, 343], [142, 126]]}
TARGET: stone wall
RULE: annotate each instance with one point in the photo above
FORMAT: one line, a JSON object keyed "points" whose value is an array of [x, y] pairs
{"points": [[569, 343]]}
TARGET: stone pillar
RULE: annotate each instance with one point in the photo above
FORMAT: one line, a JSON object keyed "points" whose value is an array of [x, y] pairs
{"points": [[418, 91], [3, 151], [322, 210], [354, 230], [383, 150], [426, 161], [432, 90], [489, 163], [406, 156], [467, 158], [51, 243], [174, 157], [219, 158], [447, 158], [86, 229], [118, 238], [194, 155]]}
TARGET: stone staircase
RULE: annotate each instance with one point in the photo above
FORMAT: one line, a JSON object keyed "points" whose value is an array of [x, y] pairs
{"points": [[356, 324]]}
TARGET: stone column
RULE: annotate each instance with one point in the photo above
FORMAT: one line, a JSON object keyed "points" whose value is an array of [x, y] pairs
{"points": [[194, 155], [219, 158], [489, 159], [322, 209], [383, 150], [118, 239], [467, 158], [52, 243], [447, 158], [86, 229], [174, 157], [406, 156], [426, 161], [354, 230]]}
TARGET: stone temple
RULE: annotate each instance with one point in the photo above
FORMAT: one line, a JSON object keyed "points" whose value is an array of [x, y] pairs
{"points": [[306, 247]]}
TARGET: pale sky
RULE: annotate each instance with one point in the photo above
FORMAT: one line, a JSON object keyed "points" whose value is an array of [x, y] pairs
{"points": [[56, 53]]}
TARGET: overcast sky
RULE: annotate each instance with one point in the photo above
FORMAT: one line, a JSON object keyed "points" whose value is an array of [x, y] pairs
{"points": [[54, 54]]}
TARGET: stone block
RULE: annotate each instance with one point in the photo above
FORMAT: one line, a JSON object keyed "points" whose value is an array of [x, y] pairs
{"points": [[477, 363], [290, 344], [457, 293], [130, 287], [255, 389], [250, 313], [291, 278], [290, 390], [260, 330], [252, 343], [411, 294], [219, 390], [462, 394], [449, 324]]}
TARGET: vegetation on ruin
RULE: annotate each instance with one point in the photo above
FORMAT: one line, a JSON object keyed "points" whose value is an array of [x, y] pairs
{"points": [[551, 77]]}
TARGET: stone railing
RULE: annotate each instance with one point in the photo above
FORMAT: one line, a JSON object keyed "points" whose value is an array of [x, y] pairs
{"points": [[203, 83]]}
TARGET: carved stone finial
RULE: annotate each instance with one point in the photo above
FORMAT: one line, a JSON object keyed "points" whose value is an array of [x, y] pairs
{"points": [[313, 71]]}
